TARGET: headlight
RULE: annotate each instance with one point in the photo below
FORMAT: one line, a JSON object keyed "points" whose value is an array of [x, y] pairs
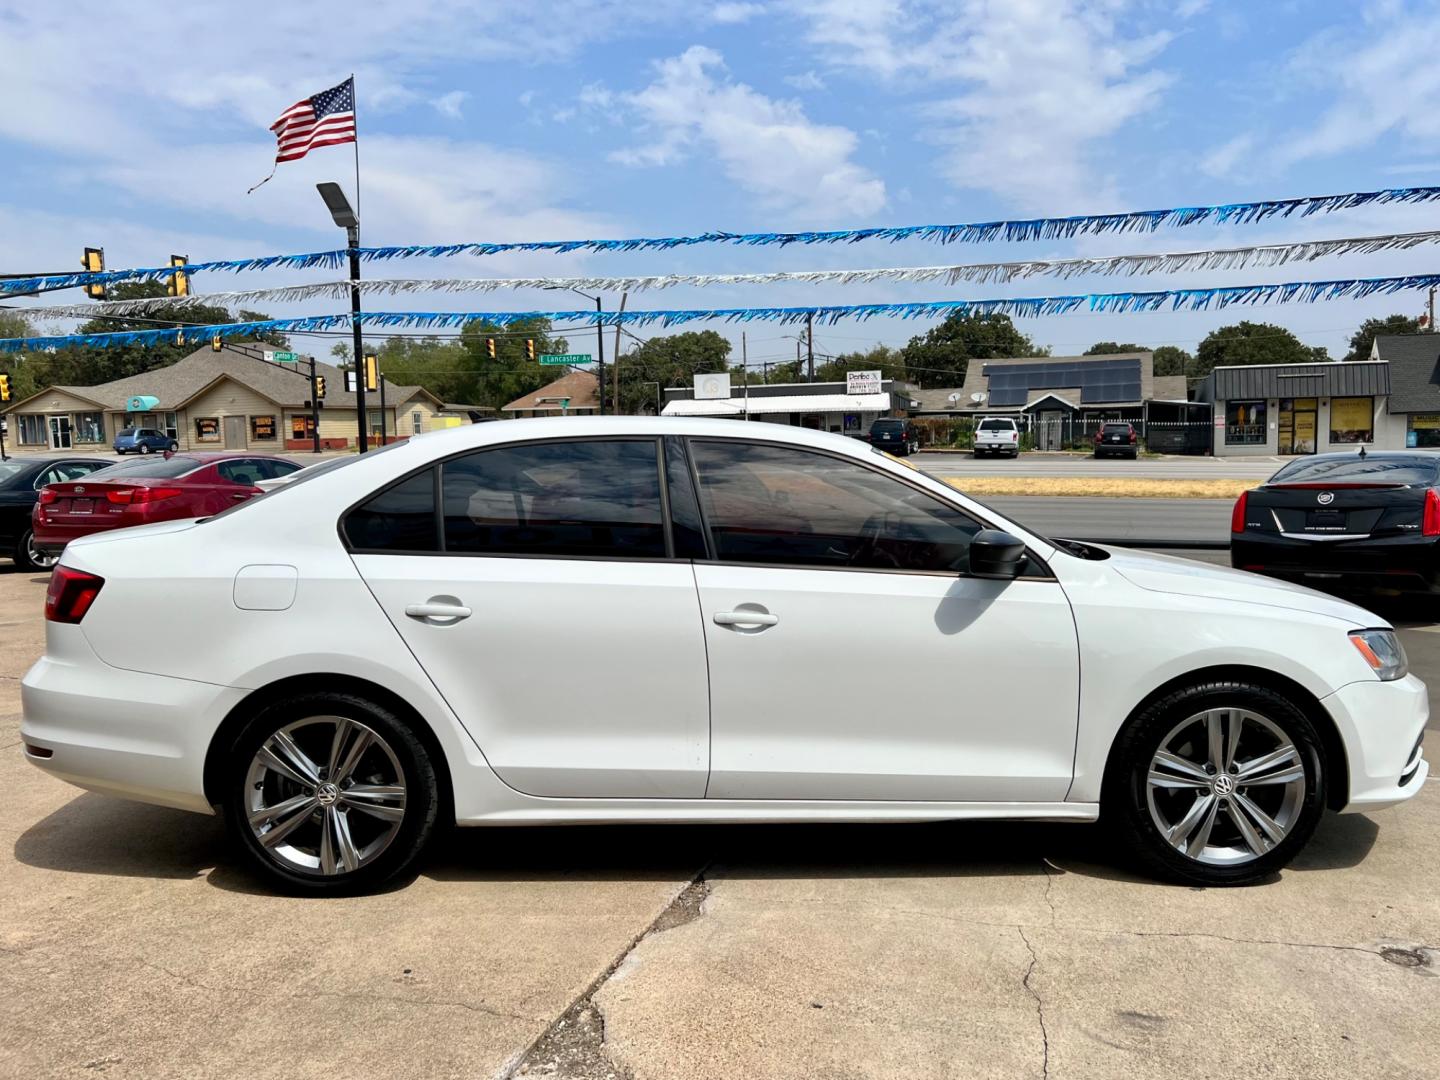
{"points": [[1382, 651]]}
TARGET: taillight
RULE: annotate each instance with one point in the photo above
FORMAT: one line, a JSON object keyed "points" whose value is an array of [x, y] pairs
{"points": [[70, 594], [131, 496], [1237, 516], [1099, 435], [1430, 523], [1132, 435], [47, 496]]}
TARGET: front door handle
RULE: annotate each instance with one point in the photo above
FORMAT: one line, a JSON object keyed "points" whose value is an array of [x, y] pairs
{"points": [[436, 610], [745, 618]]}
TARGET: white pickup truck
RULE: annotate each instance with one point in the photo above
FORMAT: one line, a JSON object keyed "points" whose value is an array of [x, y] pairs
{"points": [[997, 435]]}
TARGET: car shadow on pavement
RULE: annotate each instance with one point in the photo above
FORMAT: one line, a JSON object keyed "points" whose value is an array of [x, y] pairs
{"points": [[96, 834]]}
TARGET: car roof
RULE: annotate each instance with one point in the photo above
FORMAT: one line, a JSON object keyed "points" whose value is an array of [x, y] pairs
{"points": [[1376, 455], [209, 456]]}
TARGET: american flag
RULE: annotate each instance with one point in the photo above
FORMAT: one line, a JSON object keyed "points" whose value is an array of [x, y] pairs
{"points": [[325, 119]]}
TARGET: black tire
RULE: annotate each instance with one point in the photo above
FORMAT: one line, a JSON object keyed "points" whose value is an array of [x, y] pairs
{"points": [[174, 446], [144, 448], [21, 554], [1125, 801], [421, 804]]}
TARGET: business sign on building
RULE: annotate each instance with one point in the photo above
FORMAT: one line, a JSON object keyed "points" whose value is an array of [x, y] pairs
{"points": [[710, 387], [862, 382]]}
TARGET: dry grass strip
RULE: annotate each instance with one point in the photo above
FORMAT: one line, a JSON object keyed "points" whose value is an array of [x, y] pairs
{"points": [[1101, 487]]}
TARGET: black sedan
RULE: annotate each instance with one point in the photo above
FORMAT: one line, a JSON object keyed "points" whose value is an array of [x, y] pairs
{"points": [[21, 479], [1362, 520]]}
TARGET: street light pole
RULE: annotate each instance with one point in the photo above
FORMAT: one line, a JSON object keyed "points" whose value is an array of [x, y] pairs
{"points": [[344, 216]]}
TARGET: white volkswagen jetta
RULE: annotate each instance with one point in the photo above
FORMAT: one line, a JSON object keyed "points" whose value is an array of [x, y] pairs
{"points": [[611, 620]]}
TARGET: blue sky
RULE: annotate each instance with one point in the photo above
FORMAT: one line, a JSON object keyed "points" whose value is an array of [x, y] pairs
{"points": [[139, 127]]}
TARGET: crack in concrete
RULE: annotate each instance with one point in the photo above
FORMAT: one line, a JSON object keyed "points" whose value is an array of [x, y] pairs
{"points": [[573, 1045], [1039, 1005], [191, 981]]}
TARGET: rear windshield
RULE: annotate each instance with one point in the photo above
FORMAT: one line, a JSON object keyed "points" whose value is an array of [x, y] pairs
{"points": [[997, 425], [1421, 470], [888, 424], [1117, 429], [166, 468]]}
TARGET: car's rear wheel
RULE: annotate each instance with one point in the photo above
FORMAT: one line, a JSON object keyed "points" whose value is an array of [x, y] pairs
{"points": [[330, 794], [145, 448], [1217, 784], [28, 557], [174, 446]]}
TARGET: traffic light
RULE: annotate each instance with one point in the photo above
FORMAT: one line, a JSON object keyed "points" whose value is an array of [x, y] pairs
{"points": [[372, 372], [94, 262], [530, 348], [319, 387], [4, 387], [179, 283], [216, 344], [490, 347]]}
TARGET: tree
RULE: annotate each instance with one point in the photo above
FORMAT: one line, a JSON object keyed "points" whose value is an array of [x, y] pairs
{"points": [[1172, 360], [1362, 340], [671, 360], [942, 355], [889, 362], [1101, 348], [479, 380], [1253, 343]]}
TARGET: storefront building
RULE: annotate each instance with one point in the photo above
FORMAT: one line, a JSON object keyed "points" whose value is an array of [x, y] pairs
{"points": [[1414, 361], [227, 400], [822, 406], [1298, 409]]}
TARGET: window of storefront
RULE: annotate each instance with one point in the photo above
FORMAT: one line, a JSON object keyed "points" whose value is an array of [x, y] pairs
{"points": [[376, 418], [302, 427], [171, 425], [89, 427], [1298, 425], [1423, 430], [32, 430], [262, 428], [1352, 420], [207, 429], [1245, 423]]}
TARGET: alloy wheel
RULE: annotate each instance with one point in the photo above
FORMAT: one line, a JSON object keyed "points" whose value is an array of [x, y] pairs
{"points": [[1226, 786], [325, 795], [38, 557]]}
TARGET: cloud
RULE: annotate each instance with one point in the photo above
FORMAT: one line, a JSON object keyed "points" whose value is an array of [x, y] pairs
{"points": [[1222, 161], [807, 80], [1041, 83], [733, 12], [451, 104], [766, 146]]}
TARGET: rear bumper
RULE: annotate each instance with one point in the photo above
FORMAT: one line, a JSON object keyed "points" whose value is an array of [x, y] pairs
{"points": [[1410, 564], [119, 732], [1382, 725]]}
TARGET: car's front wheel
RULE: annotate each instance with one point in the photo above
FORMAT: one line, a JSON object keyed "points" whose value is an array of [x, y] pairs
{"points": [[330, 794], [174, 446], [28, 557], [145, 448], [1217, 784]]}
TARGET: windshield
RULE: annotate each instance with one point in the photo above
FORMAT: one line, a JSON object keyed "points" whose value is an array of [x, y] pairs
{"points": [[9, 470], [997, 425], [1410, 470], [167, 468]]}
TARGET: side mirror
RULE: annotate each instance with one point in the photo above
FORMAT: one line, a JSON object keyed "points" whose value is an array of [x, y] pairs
{"points": [[995, 554]]}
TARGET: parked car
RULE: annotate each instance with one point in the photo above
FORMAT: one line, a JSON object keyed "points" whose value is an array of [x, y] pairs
{"points": [[1345, 519], [21, 479], [142, 492], [899, 437], [133, 440], [1117, 440], [634, 619], [997, 435]]}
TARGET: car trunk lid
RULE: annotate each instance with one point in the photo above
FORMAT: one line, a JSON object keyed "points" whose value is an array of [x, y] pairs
{"points": [[1342, 511]]}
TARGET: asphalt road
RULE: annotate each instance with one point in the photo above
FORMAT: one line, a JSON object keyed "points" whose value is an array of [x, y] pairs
{"points": [[1083, 518], [1163, 468]]}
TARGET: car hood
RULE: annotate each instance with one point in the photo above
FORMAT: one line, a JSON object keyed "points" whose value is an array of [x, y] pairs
{"points": [[1186, 577]]}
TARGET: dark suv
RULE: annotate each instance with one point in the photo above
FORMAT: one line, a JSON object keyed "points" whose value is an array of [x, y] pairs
{"points": [[900, 437], [1117, 439]]}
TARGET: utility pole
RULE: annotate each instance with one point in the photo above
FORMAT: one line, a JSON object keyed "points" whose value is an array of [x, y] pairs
{"points": [[1430, 324], [600, 354], [384, 427], [810, 347], [745, 372], [616, 373]]}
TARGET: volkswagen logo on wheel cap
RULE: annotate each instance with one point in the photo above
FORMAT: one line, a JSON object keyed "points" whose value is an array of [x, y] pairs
{"points": [[1224, 784], [1325, 498]]}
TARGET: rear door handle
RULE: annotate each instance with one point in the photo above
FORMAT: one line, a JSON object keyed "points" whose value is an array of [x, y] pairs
{"points": [[745, 618], [437, 611]]}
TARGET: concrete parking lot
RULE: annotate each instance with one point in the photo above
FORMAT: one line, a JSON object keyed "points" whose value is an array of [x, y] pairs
{"points": [[135, 946]]}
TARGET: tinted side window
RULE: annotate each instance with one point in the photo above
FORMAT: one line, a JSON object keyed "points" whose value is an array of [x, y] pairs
{"points": [[685, 523], [777, 504], [599, 498], [243, 471], [400, 518]]}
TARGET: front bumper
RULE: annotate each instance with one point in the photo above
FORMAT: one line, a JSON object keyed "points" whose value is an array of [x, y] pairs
{"points": [[119, 732], [1382, 724]]}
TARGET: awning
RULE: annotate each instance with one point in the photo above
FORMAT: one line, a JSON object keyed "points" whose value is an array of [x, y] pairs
{"points": [[790, 403]]}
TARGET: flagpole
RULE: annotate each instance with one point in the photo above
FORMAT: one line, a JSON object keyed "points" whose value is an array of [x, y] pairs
{"points": [[356, 123]]}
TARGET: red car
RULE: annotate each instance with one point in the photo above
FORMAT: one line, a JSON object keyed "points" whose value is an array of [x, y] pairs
{"points": [[141, 492]]}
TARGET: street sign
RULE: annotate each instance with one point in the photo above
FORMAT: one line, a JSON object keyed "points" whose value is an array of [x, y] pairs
{"points": [[283, 357], [565, 358]]}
